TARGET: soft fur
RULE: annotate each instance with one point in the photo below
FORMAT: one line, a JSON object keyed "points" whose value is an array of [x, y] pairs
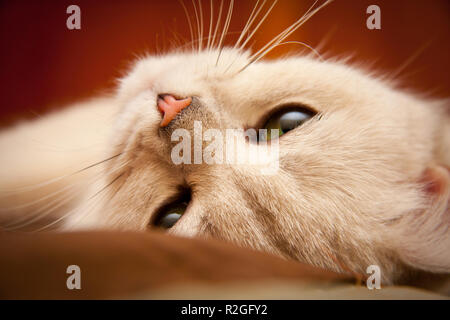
{"points": [[363, 183]]}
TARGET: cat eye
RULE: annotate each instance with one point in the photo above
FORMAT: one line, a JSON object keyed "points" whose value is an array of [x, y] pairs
{"points": [[285, 120], [169, 214]]}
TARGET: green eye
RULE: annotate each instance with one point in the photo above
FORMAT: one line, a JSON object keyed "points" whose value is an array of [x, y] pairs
{"points": [[170, 215], [285, 120]]}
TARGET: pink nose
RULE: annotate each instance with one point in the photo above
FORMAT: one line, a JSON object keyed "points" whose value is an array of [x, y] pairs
{"points": [[170, 107]]}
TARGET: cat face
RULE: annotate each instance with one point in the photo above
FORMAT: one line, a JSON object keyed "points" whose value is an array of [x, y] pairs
{"points": [[350, 186]]}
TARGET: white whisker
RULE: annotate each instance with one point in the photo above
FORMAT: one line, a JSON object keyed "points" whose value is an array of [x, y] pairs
{"points": [[280, 36], [88, 201], [37, 201], [204, 38], [189, 22], [208, 46], [43, 211], [249, 22], [198, 25], [48, 182], [304, 45], [201, 22], [258, 25], [219, 18], [283, 35], [410, 60], [225, 29], [86, 206], [254, 31]]}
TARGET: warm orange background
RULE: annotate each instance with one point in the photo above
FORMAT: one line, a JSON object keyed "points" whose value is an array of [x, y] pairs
{"points": [[44, 65]]}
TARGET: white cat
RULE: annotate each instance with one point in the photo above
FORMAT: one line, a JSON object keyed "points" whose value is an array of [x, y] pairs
{"points": [[362, 180]]}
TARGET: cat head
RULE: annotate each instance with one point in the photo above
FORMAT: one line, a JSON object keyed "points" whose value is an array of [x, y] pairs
{"points": [[360, 181]]}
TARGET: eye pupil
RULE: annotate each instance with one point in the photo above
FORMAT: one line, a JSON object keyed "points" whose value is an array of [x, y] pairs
{"points": [[169, 215], [169, 220], [286, 120], [292, 120]]}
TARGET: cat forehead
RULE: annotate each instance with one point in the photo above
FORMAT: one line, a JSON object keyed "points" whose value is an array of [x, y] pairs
{"points": [[194, 63], [178, 69], [229, 75], [226, 64]]}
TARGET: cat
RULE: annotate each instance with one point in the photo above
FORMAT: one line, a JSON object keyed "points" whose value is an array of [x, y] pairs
{"points": [[362, 177]]}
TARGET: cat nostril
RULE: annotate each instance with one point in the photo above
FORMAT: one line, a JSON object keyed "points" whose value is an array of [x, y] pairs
{"points": [[170, 107]]}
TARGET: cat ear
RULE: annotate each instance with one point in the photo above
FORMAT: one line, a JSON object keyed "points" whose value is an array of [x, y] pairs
{"points": [[423, 240]]}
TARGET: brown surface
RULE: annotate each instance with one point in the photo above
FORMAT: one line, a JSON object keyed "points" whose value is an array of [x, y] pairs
{"points": [[114, 264], [44, 65]]}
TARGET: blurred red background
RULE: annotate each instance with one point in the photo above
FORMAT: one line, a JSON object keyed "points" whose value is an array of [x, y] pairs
{"points": [[45, 66]]}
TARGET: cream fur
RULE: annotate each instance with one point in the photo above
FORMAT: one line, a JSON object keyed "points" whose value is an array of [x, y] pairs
{"points": [[349, 192]]}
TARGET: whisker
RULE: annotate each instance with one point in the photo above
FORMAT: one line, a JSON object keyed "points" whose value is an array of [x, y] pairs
{"points": [[305, 45], [208, 46], [285, 31], [283, 35], [87, 206], [47, 209], [225, 29], [48, 182], [189, 22], [65, 216], [219, 19], [254, 31], [249, 22], [411, 59], [100, 162], [326, 38], [201, 22], [42, 212], [34, 202], [204, 38], [178, 38], [258, 25], [294, 27], [198, 25], [108, 185]]}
